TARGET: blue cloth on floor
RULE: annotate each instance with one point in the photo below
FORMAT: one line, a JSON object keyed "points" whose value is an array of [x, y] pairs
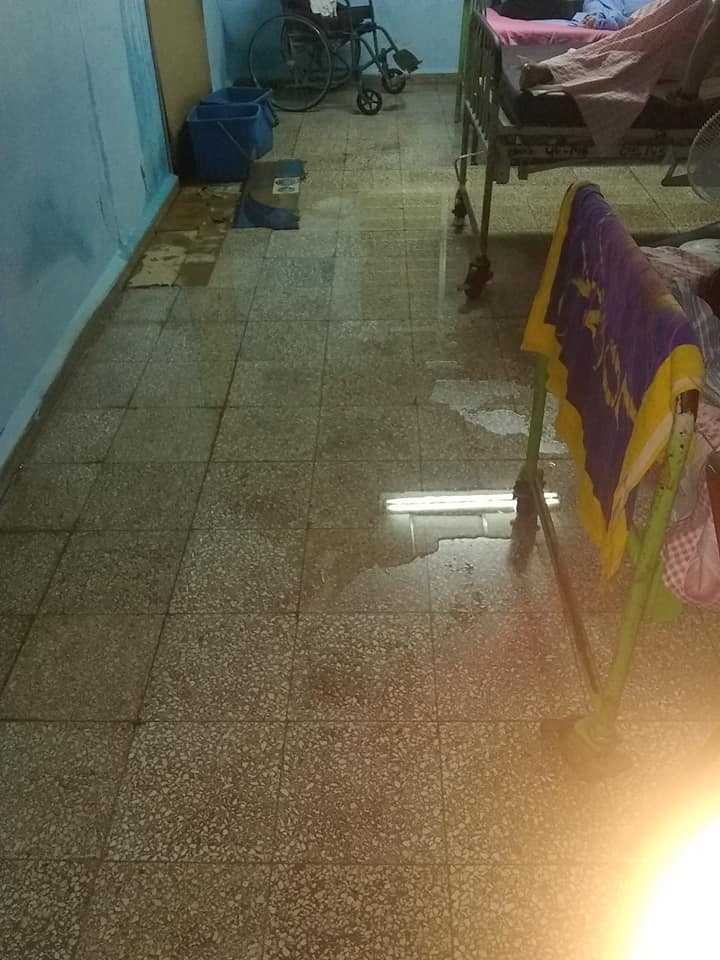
{"points": [[252, 213], [608, 14]]}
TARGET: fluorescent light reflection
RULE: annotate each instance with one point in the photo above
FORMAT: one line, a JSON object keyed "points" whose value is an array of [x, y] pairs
{"points": [[682, 918], [473, 501]]}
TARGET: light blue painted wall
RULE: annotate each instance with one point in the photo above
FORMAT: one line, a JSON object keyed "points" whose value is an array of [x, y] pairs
{"points": [[84, 172], [430, 28]]}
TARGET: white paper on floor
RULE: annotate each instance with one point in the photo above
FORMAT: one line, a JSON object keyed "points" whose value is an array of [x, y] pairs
{"points": [[475, 401]]}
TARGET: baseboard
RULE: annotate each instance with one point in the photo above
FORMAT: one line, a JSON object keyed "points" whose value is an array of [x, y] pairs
{"points": [[24, 421], [421, 78]]}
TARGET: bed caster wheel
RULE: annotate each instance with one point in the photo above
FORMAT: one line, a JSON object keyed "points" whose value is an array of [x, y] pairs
{"points": [[478, 276], [459, 213], [393, 81], [369, 102]]}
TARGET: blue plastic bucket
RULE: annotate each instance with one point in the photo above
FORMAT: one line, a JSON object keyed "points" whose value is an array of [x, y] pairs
{"points": [[241, 96], [225, 140]]}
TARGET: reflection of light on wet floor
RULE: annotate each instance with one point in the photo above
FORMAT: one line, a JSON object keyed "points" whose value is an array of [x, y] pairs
{"points": [[477, 402]]}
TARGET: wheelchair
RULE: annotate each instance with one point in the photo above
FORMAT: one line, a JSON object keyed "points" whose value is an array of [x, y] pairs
{"points": [[301, 56]]}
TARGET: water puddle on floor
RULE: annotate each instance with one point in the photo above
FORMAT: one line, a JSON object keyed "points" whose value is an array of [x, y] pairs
{"points": [[487, 404]]}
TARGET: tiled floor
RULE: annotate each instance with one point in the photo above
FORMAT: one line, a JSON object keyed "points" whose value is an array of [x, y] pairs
{"points": [[245, 713]]}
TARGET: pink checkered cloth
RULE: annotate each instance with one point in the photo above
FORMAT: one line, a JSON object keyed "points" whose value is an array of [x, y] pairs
{"points": [[611, 80], [691, 555]]}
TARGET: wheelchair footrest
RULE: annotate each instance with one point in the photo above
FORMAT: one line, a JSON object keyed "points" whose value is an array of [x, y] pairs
{"points": [[407, 61]]}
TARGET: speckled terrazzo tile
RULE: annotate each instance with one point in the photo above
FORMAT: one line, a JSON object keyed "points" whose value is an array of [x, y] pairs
{"points": [[221, 668], [371, 340], [376, 570], [27, 561], [71, 437], [299, 344], [40, 908], [264, 383], [239, 570], [546, 911], [273, 301], [267, 433], [351, 494], [187, 342], [313, 273], [92, 386], [515, 666], [369, 433], [206, 305], [476, 574], [123, 344], [510, 798], [174, 805], [176, 912], [193, 383], [12, 634], [254, 495], [301, 243], [363, 668], [145, 306], [59, 782], [116, 573], [364, 382], [82, 668], [358, 913], [362, 792], [143, 496], [165, 435], [239, 273], [488, 430], [676, 668], [672, 770], [46, 496], [356, 300]]}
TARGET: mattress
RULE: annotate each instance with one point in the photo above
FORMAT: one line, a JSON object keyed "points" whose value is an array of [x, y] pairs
{"points": [[559, 110], [545, 32]]}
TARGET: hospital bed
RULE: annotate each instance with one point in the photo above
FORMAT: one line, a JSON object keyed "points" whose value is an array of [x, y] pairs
{"points": [[534, 131]]}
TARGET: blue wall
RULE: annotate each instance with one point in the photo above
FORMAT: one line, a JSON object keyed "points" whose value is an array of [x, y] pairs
{"points": [[430, 28], [85, 171], [216, 43]]}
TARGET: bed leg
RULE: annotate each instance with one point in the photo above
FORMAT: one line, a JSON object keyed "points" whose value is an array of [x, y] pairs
{"points": [[462, 59], [479, 272], [525, 527], [590, 744]]}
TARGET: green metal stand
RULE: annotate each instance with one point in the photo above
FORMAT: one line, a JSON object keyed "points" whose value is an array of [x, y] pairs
{"points": [[590, 742]]}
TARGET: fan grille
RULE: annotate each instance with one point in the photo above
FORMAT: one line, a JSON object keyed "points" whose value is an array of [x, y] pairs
{"points": [[704, 161]]}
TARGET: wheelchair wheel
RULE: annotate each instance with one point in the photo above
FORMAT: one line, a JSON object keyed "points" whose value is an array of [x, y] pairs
{"points": [[369, 102], [393, 81], [290, 56]]}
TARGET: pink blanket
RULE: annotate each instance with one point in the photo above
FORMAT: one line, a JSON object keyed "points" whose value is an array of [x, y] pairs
{"points": [[539, 32], [691, 554], [612, 79]]}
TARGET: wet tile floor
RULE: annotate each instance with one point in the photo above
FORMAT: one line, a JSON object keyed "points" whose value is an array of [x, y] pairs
{"points": [[246, 713]]}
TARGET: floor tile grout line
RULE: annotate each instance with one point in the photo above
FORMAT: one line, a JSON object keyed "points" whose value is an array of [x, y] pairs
{"points": [[66, 533], [134, 726]]}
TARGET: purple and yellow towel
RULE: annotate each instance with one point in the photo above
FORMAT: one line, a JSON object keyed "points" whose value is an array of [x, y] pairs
{"points": [[620, 351]]}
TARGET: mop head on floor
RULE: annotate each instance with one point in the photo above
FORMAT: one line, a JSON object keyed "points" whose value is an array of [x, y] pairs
{"points": [[271, 196]]}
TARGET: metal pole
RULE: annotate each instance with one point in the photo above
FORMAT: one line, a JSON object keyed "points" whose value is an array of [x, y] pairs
{"points": [[464, 26]]}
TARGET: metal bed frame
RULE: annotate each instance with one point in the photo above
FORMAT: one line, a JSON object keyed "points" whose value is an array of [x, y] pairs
{"points": [[487, 130]]}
